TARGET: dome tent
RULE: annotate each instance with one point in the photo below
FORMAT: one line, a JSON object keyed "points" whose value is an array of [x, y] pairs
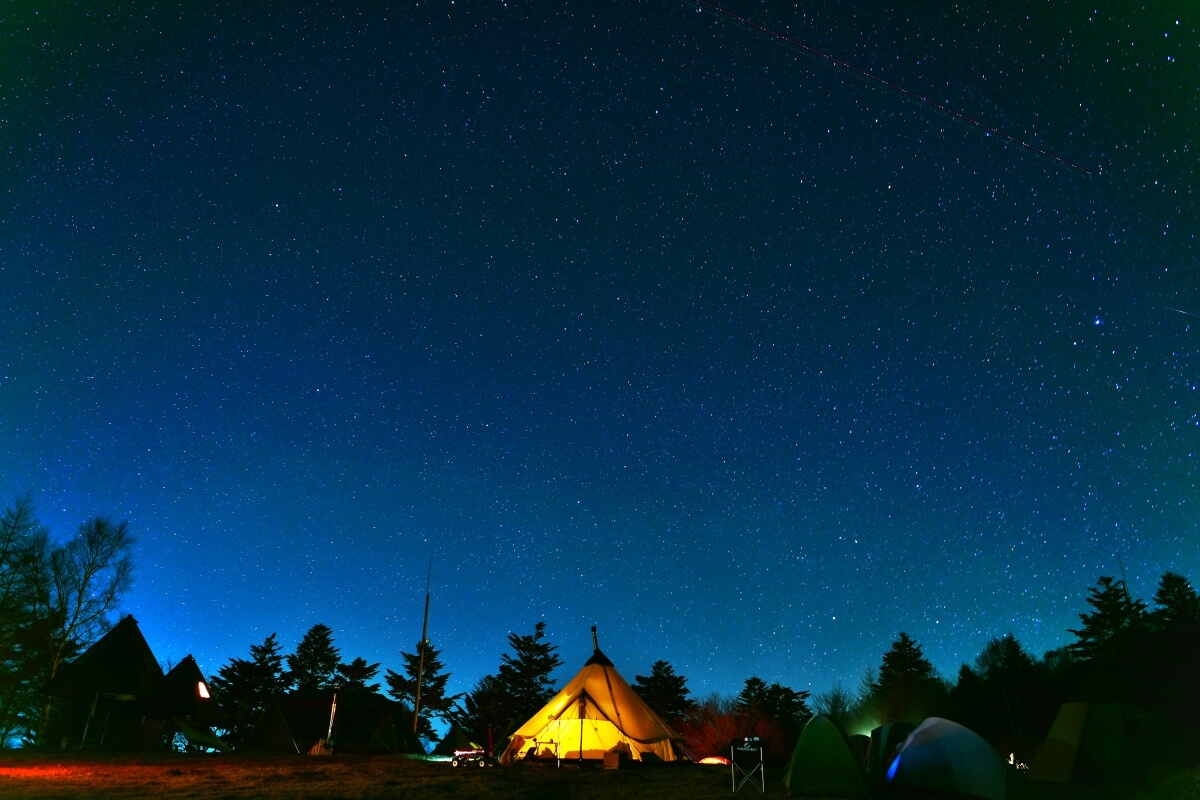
{"points": [[823, 763], [943, 756]]}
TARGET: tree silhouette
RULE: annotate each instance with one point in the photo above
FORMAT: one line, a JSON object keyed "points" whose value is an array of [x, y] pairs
{"points": [[74, 588], [837, 703], [907, 687], [313, 667], [664, 691], [525, 674], [354, 677], [1005, 698], [20, 535], [775, 713], [244, 687], [521, 687], [1178, 605], [434, 700], [1115, 616]]}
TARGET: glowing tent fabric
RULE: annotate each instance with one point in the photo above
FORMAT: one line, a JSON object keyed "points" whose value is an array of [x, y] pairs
{"points": [[596, 713]]}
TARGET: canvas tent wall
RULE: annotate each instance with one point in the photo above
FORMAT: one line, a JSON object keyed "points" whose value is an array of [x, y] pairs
{"points": [[364, 722], [597, 712], [113, 696], [188, 697], [941, 756], [823, 763], [1087, 744]]}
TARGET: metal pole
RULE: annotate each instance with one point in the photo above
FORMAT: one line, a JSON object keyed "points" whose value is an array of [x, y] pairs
{"points": [[332, 714], [421, 647]]}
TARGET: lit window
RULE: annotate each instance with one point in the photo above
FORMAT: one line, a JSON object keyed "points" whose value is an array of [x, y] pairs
{"points": [[202, 689]]}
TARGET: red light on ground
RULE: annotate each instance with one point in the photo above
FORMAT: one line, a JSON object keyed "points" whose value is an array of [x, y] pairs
{"points": [[35, 773]]}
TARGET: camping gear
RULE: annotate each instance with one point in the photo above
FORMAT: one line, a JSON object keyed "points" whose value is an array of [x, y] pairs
{"points": [[823, 763], [746, 762]]}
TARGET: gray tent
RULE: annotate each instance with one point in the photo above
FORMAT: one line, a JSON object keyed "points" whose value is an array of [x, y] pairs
{"points": [[941, 756]]}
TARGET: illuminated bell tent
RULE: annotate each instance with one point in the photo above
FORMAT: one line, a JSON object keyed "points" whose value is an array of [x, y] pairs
{"points": [[595, 714]]}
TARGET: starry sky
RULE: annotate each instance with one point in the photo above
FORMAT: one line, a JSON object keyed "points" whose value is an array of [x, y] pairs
{"points": [[623, 314]]}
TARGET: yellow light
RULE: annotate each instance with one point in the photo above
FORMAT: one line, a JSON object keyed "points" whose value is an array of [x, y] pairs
{"points": [[200, 687]]}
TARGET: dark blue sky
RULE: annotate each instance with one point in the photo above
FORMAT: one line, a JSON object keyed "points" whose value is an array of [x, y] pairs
{"points": [[623, 314]]}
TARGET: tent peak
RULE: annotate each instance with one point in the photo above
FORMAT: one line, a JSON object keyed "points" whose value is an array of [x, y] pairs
{"points": [[599, 658]]}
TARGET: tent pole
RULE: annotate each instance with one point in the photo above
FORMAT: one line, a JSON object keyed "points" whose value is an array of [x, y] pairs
{"points": [[332, 714], [88, 724]]}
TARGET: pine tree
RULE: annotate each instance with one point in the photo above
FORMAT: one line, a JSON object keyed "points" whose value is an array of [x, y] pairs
{"points": [[313, 667], [1116, 615], [664, 691], [1004, 698], [244, 687], [1178, 605], [522, 686], [354, 677], [525, 674], [786, 706], [434, 700], [484, 712], [907, 687]]}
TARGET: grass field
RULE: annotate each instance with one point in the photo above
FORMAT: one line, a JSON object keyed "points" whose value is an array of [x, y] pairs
{"points": [[376, 777]]}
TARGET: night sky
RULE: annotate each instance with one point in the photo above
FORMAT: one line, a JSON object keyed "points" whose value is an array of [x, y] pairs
{"points": [[623, 313]]}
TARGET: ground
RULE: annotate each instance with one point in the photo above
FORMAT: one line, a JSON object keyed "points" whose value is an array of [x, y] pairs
{"points": [[24, 775]]}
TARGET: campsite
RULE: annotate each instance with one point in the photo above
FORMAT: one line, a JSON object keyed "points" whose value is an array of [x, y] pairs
{"points": [[593, 738], [1107, 716]]}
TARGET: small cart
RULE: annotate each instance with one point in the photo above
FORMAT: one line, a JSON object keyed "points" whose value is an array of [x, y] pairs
{"points": [[467, 758]]}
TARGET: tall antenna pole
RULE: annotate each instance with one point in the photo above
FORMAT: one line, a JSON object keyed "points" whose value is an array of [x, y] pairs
{"points": [[424, 643]]}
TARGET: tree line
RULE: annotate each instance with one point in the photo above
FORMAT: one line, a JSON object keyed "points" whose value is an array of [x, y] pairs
{"points": [[57, 599]]}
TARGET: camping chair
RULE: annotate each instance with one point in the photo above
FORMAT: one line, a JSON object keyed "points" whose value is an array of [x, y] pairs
{"points": [[746, 760]]}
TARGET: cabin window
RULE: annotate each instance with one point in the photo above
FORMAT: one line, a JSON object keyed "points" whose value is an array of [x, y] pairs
{"points": [[202, 689]]}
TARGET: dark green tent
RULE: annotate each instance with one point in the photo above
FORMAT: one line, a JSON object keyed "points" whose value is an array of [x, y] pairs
{"points": [[1086, 744], [823, 763], [364, 722]]}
